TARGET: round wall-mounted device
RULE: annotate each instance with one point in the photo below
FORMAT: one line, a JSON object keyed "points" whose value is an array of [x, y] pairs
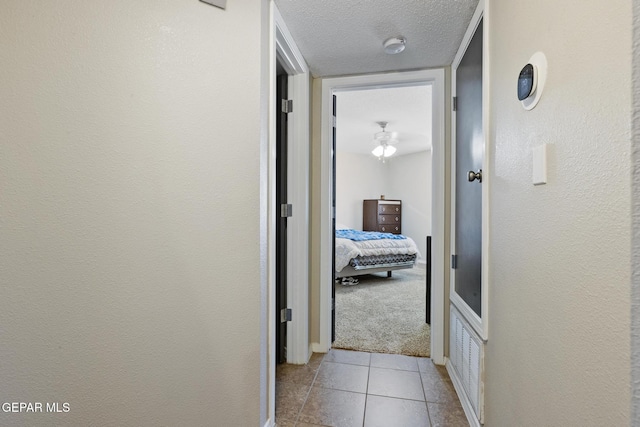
{"points": [[527, 81], [531, 80]]}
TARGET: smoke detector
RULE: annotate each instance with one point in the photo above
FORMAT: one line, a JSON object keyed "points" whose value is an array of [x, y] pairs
{"points": [[394, 45]]}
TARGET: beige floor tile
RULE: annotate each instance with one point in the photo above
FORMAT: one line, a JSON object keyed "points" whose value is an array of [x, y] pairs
{"points": [[333, 408], [285, 423], [298, 374], [348, 356], [439, 390], [315, 360], [431, 370], [442, 415], [395, 383], [310, 425], [340, 376], [289, 400], [388, 411], [397, 387], [425, 364], [394, 361]]}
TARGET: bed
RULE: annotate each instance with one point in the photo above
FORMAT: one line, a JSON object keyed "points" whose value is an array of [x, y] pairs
{"points": [[364, 252]]}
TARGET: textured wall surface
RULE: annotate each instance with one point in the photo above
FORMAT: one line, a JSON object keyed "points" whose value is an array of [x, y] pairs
{"points": [[411, 183], [130, 256], [559, 312], [358, 177], [635, 308]]}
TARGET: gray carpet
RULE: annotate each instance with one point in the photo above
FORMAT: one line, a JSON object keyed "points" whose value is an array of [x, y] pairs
{"points": [[384, 315]]}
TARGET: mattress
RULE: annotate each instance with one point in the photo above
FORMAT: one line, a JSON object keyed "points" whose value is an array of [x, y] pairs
{"points": [[346, 249], [363, 262]]}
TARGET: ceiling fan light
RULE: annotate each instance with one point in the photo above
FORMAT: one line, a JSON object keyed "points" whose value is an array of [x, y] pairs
{"points": [[394, 45], [383, 141], [389, 150]]}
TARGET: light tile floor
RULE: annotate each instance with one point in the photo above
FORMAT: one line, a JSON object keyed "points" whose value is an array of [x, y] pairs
{"points": [[351, 388]]}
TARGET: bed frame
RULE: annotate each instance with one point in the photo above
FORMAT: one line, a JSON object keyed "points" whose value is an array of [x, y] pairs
{"points": [[378, 268]]}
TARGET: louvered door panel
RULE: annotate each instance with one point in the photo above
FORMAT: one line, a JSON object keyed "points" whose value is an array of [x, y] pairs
{"points": [[466, 355]]}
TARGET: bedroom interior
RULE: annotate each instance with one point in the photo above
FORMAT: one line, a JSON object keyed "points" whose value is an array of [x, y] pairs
{"points": [[383, 174]]}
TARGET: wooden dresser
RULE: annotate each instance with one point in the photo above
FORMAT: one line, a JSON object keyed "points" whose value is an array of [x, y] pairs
{"points": [[382, 215]]}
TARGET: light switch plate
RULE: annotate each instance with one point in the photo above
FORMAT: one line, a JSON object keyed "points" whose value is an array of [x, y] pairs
{"points": [[222, 4], [539, 164]]}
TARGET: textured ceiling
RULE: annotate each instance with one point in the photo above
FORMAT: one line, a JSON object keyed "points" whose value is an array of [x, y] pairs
{"points": [[406, 109], [342, 37]]}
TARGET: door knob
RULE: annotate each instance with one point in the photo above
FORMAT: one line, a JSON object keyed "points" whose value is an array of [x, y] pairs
{"points": [[475, 175]]}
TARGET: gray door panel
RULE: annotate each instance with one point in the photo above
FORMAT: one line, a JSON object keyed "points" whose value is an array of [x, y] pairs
{"points": [[469, 157]]}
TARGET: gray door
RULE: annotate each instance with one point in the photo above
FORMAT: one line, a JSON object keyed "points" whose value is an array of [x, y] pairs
{"points": [[469, 157], [282, 151], [333, 224]]}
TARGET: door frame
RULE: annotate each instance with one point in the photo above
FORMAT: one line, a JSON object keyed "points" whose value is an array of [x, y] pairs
{"points": [[283, 49], [435, 78], [480, 325], [298, 192]]}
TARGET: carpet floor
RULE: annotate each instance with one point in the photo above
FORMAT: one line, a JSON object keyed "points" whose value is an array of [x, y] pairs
{"points": [[384, 315]]}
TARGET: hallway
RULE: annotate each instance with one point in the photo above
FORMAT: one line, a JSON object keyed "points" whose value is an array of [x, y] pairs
{"points": [[349, 388]]}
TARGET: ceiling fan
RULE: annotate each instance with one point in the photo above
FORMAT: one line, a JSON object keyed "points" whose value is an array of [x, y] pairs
{"points": [[384, 142]]}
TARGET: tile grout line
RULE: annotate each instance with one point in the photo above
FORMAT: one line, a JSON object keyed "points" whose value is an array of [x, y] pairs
{"points": [[345, 391], [397, 398], [426, 404], [309, 391], [366, 395]]}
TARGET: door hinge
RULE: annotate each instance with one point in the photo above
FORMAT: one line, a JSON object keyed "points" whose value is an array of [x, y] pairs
{"points": [[287, 105], [285, 315], [455, 103], [286, 210], [454, 261]]}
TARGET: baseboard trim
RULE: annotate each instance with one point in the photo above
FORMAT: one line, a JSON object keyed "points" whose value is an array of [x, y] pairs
{"points": [[317, 348], [310, 352], [462, 395]]}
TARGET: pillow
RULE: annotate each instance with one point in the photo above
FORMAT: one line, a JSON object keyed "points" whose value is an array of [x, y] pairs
{"points": [[342, 227]]}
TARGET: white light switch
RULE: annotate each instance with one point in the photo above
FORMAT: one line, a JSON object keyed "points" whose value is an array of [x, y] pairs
{"points": [[540, 164]]}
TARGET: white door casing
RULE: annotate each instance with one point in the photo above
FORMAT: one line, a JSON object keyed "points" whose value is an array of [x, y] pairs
{"points": [[469, 332], [436, 78], [298, 194], [282, 48], [479, 324]]}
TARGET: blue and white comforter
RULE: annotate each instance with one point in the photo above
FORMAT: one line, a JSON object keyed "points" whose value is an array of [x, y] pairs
{"points": [[361, 236], [347, 248]]}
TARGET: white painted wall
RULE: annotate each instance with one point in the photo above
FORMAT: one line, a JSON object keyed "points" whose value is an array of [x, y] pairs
{"points": [[559, 293], [131, 256], [411, 182], [358, 177], [635, 258], [406, 178]]}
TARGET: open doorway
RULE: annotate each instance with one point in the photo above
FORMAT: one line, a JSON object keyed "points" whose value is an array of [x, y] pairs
{"points": [[380, 297], [334, 86], [287, 331]]}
